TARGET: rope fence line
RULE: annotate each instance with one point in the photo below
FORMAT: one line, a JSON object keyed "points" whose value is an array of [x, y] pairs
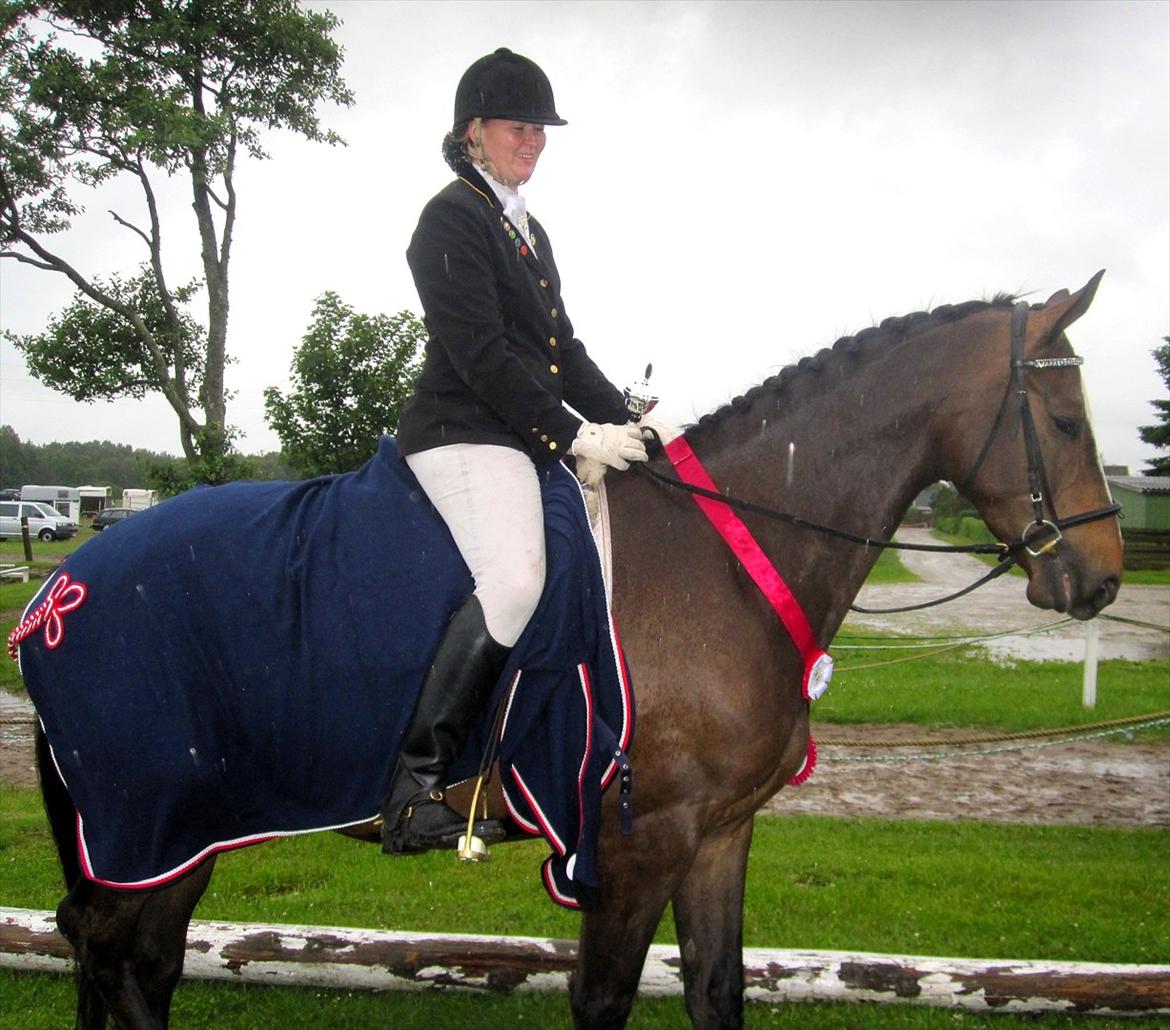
{"points": [[910, 638], [931, 650], [907, 642], [1136, 622], [931, 646], [1059, 735]]}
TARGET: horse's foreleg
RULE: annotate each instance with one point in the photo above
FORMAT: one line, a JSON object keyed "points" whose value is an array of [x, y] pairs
{"points": [[91, 1006], [639, 873], [129, 949], [161, 941], [708, 915], [99, 923]]}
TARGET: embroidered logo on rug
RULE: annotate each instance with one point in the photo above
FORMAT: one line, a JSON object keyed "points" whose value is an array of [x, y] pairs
{"points": [[64, 596]]}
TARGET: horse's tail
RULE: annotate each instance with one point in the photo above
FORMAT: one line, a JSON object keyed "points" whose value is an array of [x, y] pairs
{"points": [[59, 809]]}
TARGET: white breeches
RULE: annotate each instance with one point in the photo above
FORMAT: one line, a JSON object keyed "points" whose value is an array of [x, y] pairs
{"points": [[490, 499]]}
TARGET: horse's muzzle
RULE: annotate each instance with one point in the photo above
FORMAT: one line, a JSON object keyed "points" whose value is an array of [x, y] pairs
{"points": [[1054, 584]]}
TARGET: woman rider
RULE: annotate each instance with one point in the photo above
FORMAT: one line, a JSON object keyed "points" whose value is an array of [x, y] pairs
{"points": [[489, 406]]}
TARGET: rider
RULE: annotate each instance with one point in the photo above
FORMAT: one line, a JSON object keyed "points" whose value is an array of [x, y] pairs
{"points": [[489, 406]]}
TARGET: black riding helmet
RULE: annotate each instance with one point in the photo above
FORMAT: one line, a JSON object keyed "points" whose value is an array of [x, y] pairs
{"points": [[505, 85]]}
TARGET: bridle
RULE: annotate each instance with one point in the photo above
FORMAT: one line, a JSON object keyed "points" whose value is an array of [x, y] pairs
{"points": [[1040, 493]]}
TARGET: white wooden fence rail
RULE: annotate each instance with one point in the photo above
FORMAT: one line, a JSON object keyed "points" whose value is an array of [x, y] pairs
{"points": [[339, 957]]}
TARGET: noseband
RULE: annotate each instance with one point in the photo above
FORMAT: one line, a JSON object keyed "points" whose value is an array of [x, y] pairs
{"points": [[1043, 532]]}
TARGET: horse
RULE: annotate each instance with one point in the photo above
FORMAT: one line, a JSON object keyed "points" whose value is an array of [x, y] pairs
{"points": [[984, 394]]}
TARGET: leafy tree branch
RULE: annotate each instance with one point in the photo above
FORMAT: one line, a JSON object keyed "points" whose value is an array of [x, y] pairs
{"points": [[91, 90], [350, 377], [1158, 434]]}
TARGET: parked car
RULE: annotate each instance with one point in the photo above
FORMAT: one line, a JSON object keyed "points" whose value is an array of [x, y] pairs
{"points": [[108, 516], [44, 521]]}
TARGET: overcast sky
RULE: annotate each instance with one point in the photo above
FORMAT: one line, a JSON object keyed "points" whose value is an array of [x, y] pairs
{"points": [[738, 185]]}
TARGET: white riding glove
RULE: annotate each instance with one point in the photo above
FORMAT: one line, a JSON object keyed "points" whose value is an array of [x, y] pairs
{"points": [[612, 445], [665, 433]]}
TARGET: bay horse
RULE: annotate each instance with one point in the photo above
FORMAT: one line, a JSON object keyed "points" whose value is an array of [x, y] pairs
{"points": [[846, 439]]}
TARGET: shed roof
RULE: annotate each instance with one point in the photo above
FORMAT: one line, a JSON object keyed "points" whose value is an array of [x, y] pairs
{"points": [[1142, 484]]}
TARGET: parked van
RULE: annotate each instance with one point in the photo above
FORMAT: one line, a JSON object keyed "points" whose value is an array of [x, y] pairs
{"points": [[44, 521], [65, 499]]}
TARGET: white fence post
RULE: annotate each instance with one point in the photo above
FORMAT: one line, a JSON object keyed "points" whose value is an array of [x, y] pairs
{"points": [[1089, 691]]}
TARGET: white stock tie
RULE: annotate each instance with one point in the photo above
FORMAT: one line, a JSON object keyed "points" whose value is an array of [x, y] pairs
{"points": [[517, 211]]}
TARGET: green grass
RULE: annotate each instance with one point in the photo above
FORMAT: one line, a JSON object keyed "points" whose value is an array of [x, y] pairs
{"points": [[964, 889], [952, 689], [15, 596], [889, 569], [979, 890], [37, 1002], [44, 555], [1148, 577]]}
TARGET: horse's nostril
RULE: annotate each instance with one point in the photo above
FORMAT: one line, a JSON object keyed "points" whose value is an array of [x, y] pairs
{"points": [[1106, 592]]}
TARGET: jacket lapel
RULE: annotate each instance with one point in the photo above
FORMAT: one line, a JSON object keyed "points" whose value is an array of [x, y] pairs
{"points": [[474, 180]]}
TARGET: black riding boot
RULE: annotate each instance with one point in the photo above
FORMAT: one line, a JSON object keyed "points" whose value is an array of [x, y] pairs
{"points": [[458, 686]]}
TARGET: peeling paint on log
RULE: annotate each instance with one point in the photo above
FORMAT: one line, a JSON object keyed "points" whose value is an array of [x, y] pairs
{"points": [[972, 984], [381, 960]]}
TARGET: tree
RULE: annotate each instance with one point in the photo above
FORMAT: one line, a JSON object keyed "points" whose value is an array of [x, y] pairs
{"points": [[95, 89], [17, 465], [1158, 435], [350, 376], [97, 463]]}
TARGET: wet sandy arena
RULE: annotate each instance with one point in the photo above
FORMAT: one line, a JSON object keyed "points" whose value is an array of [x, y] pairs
{"points": [[1106, 782]]}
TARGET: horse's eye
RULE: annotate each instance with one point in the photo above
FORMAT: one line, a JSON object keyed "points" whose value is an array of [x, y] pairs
{"points": [[1068, 426]]}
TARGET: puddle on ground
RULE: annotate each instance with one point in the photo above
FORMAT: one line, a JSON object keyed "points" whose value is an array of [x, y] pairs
{"points": [[1071, 649]]}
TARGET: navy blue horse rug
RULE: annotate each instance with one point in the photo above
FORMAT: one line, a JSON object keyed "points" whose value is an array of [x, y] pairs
{"points": [[240, 662]]}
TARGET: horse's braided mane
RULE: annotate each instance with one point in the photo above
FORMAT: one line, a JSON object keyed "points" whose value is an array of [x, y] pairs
{"points": [[862, 344]]}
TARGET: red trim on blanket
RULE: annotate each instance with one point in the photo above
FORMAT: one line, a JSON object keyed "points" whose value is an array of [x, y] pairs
{"points": [[545, 826], [739, 538], [528, 827], [513, 809], [175, 874], [587, 690], [627, 703], [550, 885]]}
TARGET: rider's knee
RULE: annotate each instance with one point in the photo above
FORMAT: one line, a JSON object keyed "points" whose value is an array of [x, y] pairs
{"points": [[510, 600]]}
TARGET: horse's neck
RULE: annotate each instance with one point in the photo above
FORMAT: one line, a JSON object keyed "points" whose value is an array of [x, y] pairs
{"points": [[850, 453]]}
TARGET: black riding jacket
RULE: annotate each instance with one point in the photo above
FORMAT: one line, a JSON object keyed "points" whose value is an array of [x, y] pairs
{"points": [[501, 358]]}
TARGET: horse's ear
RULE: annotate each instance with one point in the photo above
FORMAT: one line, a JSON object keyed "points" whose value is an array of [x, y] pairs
{"points": [[1064, 308]]}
